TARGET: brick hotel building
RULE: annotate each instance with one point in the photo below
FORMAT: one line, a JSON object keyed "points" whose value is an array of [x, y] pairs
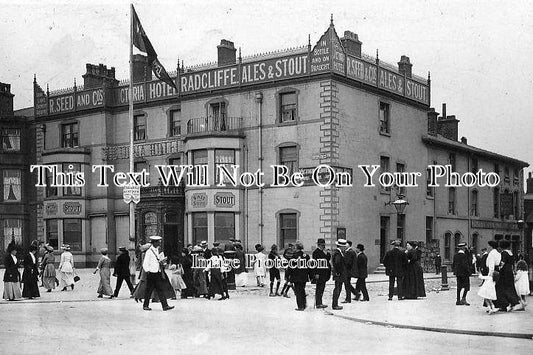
{"points": [[322, 104]]}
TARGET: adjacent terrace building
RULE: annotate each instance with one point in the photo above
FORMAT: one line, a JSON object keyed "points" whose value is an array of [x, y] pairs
{"points": [[323, 104]]}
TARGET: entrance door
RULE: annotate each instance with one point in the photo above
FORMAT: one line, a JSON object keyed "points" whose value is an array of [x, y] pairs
{"points": [[383, 236], [173, 242]]}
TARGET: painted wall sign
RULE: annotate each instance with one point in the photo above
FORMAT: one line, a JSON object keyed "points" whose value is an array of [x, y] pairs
{"points": [[224, 199], [140, 150], [476, 223], [199, 200], [51, 209], [72, 208]]}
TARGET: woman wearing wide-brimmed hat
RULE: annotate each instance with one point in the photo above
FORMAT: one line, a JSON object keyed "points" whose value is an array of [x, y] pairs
{"points": [[30, 276], [104, 266], [11, 275], [66, 269], [49, 269]]}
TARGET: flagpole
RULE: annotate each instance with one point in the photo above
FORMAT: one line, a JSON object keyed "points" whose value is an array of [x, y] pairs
{"points": [[130, 113]]}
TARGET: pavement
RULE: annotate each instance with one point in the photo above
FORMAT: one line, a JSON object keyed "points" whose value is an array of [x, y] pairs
{"points": [[77, 322]]}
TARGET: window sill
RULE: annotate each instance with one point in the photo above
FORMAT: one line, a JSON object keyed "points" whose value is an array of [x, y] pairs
{"points": [[428, 197], [288, 123], [385, 134]]}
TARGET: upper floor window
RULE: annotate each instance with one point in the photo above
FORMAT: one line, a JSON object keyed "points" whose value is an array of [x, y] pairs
{"points": [[51, 191], [218, 116], [451, 200], [447, 246], [516, 174], [497, 168], [12, 185], [287, 106], [496, 202], [223, 157], [451, 161], [401, 168], [288, 232], [516, 205], [288, 156], [474, 165], [71, 168], [506, 174], [10, 139], [474, 203], [429, 230], [429, 189], [175, 123], [384, 118], [139, 128], [384, 163], [69, 135]]}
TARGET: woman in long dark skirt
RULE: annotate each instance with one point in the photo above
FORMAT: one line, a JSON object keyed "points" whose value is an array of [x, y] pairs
{"points": [[186, 262], [30, 276], [420, 287], [507, 298], [410, 283]]}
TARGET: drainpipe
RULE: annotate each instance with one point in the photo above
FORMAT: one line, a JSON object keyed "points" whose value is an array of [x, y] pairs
{"points": [[259, 100], [246, 168]]}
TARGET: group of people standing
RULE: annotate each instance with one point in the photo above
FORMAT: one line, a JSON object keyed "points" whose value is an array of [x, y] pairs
{"points": [[404, 269]]}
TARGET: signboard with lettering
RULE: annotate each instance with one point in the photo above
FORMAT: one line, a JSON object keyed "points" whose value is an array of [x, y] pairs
{"points": [[89, 99], [224, 199], [131, 193], [481, 224], [51, 209], [199, 200], [40, 101], [140, 150], [72, 208], [361, 70]]}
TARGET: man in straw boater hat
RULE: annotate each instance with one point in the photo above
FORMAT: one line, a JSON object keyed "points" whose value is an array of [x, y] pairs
{"points": [[321, 275], [339, 271], [461, 269], [152, 265], [122, 271], [395, 262]]}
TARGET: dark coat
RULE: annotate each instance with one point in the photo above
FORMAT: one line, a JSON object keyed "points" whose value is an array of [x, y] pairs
{"points": [[338, 267], [323, 274], [12, 273], [122, 266], [461, 264], [350, 257], [362, 266], [483, 264], [301, 274], [395, 262], [30, 277], [438, 261]]}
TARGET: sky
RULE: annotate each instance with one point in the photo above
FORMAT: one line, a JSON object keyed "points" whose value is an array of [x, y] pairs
{"points": [[478, 52]]}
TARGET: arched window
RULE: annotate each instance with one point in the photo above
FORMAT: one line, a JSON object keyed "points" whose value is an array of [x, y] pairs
{"points": [[456, 241], [447, 245], [451, 200], [474, 203], [150, 224], [475, 241]]}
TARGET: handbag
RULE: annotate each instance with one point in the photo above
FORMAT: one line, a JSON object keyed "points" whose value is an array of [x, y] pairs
{"points": [[495, 276], [76, 277]]}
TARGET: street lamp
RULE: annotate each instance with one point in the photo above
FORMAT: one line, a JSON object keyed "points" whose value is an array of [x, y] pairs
{"points": [[399, 204]]}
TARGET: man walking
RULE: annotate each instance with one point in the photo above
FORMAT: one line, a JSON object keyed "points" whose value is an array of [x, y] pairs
{"points": [[461, 269], [438, 263], [152, 266], [321, 275], [362, 272], [351, 270], [122, 271], [339, 272], [300, 274], [395, 262]]}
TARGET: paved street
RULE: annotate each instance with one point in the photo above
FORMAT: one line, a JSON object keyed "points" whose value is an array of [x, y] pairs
{"points": [[78, 322]]}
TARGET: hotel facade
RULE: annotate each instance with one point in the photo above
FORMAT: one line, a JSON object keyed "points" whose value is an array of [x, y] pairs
{"points": [[326, 103]]}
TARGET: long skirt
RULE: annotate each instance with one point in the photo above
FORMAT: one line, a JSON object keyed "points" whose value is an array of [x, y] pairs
{"points": [[199, 281], [49, 277], [104, 288], [241, 279], [215, 285], [410, 283], [31, 286], [188, 279], [420, 286], [66, 279], [488, 289], [12, 291], [177, 282]]}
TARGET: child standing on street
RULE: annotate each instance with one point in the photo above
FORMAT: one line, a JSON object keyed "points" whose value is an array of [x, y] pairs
{"points": [[521, 283], [259, 265], [177, 278]]}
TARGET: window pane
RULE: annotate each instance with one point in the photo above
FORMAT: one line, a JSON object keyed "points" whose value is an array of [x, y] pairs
{"points": [[71, 191], [288, 107], [12, 231], [384, 117], [139, 127], [288, 228], [199, 227], [223, 157], [224, 226], [175, 123], [10, 139], [199, 157], [12, 185], [72, 233], [51, 233], [289, 158]]}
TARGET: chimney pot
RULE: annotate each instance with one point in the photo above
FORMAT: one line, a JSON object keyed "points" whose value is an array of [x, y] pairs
{"points": [[226, 53], [405, 67], [351, 43]]}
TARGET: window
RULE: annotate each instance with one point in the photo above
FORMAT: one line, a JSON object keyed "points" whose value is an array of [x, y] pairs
{"points": [[10, 139], [69, 135], [51, 191], [12, 185], [456, 241], [451, 200], [72, 233], [384, 166], [516, 174], [71, 168], [287, 107], [474, 203], [451, 160], [150, 225], [506, 174], [218, 116], [429, 230], [475, 242], [12, 231], [474, 165], [429, 189], [516, 205], [447, 246], [496, 202], [199, 227], [400, 226], [384, 118], [288, 156], [175, 123], [199, 157], [497, 169], [139, 128], [401, 168], [223, 157], [224, 226], [51, 233], [174, 161], [288, 223]]}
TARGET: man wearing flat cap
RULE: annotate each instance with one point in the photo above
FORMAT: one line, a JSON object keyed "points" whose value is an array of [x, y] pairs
{"points": [[461, 269], [122, 270], [395, 262], [321, 276], [338, 269], [152, 265]]}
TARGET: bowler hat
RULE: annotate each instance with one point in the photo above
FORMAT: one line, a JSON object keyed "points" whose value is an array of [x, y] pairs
{"points": [[360, 247], [321, 241], [493, 244], [122, 249]]}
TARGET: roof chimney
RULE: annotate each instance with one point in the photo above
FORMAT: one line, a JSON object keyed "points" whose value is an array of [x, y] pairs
{"points": [[226, 53], [448, 126], [6, 100], [464, 140], [97, 74], [404, 66], [351, 43], [432, 121]]}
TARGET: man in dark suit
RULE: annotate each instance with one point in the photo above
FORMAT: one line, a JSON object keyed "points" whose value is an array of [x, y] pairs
{"points": [[300, 274], [339, 272], [395, 262], [351, 269], [362, 272], [461, 268], [438, 263], [122, 270], [321, 275]]}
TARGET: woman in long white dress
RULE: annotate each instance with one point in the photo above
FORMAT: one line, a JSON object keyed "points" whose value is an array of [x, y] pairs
{"points": [[488, 289], [66, 269], [259, 265]]}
